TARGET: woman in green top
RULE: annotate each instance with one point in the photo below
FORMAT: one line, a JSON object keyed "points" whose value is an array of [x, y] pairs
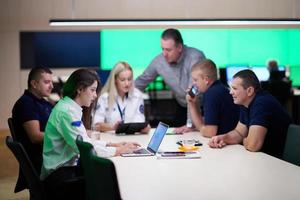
{"points": [[60, 153]]}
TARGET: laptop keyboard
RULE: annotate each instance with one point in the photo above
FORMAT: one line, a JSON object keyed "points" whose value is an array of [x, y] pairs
{"points": [[141, 151]]}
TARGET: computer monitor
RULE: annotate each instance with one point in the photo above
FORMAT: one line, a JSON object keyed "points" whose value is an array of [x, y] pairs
{"points": [[232, 70], [261, 72]]}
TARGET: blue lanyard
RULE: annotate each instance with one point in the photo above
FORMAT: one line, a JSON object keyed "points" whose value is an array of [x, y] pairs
{"points": [[122, 112]]}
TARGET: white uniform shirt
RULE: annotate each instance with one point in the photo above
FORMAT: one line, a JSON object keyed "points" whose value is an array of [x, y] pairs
{"points": [[60, 147], [132, 108]]}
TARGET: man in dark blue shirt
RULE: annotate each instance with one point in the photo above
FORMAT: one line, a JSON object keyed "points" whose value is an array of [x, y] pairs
{"points": [[220, 114], [30, 115], [263, 121]]}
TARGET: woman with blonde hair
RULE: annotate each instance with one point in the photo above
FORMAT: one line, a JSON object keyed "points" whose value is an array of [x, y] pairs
{"points": [[120, 101]]}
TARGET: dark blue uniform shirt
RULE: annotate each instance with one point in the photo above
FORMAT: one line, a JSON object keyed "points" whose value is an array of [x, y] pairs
{"points": [[219, 109], [29, 107], [266, 111]]}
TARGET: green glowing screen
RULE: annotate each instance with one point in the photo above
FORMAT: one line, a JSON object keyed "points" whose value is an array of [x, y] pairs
{"points": [[252, 47]]}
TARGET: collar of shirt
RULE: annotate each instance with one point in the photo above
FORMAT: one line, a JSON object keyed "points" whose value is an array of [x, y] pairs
{"points": [[216, 82], [258, 93], [122, 103], [27, 92], [72, 103], [131, 93], [180, 59]]}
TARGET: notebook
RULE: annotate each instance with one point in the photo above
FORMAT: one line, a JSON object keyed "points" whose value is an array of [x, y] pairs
{"points": [[130, 128], [154, 143]]}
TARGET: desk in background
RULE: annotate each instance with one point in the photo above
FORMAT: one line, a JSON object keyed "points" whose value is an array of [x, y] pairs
{"points": [[228, 173]]}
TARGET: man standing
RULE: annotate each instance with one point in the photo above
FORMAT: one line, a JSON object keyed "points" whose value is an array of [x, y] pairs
{"points": [[174, 65], [30, 115], [263, 122], [220, 115]]}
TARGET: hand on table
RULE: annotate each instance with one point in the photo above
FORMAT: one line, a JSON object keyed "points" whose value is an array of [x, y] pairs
{"points": [[183, 129], [217, 142], [126, 147]]}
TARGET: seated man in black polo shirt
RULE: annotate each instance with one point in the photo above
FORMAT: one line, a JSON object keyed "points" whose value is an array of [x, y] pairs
{"points": [[30, 115], [219, 115], [263, 122]]}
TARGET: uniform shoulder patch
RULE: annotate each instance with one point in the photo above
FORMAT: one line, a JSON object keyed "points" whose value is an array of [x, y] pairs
{"points": [[142, 109], [76, 123]]}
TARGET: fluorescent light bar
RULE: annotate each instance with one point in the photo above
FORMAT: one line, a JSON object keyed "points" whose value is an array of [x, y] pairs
{"points": [[176, 22]]}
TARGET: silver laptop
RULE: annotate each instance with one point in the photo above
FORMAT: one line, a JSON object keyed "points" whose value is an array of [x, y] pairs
{"points": [[154, 143]]}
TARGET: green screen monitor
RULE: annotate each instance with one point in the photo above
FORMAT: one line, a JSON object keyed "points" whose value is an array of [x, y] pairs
{"points": [[252, 47]]}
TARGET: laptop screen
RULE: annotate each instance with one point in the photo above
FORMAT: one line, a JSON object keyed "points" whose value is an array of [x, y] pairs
{"points": [[158, 136]]}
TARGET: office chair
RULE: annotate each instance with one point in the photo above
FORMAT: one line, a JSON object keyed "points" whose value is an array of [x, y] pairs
{"points": [[12, 128], [21, 182], [36, 188], [291, 151], [100, 173], [85, 162]]}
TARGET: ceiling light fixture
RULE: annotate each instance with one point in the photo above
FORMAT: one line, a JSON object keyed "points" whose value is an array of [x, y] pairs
{"points": [[175, 22]]}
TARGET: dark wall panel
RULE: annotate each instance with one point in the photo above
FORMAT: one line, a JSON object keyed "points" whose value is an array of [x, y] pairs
{"points": [[60, 49]]}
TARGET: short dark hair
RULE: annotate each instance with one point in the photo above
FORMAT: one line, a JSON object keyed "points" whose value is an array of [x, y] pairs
{"points": [[81, 78], [35, 74], [249, 79], [173, 34]]}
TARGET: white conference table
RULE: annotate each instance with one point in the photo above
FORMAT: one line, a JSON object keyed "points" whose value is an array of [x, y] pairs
{"points": [[228, 173]]}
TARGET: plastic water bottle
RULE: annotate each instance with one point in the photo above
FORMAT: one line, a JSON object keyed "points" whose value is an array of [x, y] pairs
{"points": [[189, 123]]}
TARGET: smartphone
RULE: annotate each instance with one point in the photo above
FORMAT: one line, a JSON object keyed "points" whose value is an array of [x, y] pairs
{"points": [[175, 153], [193, 91], [172, 153], [197, 143]]}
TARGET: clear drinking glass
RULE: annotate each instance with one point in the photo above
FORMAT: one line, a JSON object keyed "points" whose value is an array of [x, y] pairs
{"points": [[188, 144], [95, 134]]}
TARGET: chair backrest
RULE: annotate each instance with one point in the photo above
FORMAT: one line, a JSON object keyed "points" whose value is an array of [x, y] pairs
{"points": [[291, 150], [36, 188], [21, 182], [85, 151], [12, 128], [280, 89], [100, 175], [104, 169]]}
